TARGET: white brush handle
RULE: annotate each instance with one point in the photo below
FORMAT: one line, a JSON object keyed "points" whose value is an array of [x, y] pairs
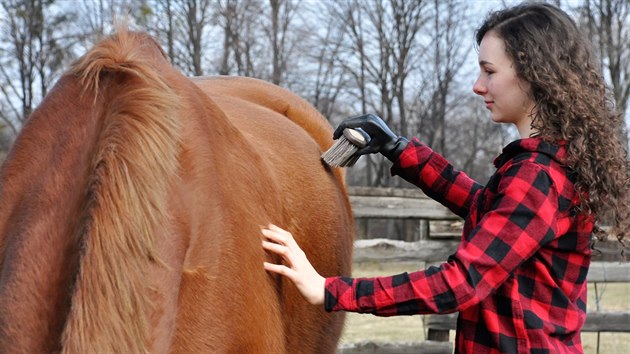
{"points": [[355, 137]]}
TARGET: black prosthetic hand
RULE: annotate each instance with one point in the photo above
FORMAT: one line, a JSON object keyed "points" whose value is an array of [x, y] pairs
{"points": [[382, 139]]}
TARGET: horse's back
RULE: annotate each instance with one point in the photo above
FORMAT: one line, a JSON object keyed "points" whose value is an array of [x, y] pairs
{"points": [[288, 136], [282, 140], [273, 97]]}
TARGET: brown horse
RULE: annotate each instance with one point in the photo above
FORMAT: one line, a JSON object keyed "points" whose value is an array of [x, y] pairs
{"points": [[131, 207]]}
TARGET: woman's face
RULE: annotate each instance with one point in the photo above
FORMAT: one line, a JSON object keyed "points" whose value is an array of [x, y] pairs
{"points": [[506, 96]]}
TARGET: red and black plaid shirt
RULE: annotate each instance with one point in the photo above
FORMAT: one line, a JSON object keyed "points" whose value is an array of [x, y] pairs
{"points": [[518, 277]]}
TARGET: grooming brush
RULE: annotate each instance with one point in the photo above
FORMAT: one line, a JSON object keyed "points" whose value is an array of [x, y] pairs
{"points": [[342, 153]]}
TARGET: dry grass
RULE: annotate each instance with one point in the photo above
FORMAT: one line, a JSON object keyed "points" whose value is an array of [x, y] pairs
{"points": [[410, 328]]}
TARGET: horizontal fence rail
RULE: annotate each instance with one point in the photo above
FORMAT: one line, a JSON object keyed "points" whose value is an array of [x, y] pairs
{"points": [[412, 205], [386, 250], [424, 347], [396, 203], [595, 322]]}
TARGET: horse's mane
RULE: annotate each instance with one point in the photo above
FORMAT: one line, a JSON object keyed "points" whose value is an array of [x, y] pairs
{"points": [[134, 162]]}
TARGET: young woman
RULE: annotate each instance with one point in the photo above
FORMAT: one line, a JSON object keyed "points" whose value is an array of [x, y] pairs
{"points": [[518, 277]]}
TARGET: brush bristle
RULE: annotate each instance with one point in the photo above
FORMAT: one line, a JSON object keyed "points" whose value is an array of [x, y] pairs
{"points": [[341, 154]]}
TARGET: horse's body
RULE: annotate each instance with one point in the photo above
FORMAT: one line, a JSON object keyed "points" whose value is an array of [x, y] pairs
{"points": [[131, 206]]}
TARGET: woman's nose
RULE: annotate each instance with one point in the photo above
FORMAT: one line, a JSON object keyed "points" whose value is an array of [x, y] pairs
{"points": [[479, 87]]}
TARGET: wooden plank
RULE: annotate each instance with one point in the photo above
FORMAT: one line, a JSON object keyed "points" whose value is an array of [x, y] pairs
{"points": [[607, 322], [399, 208], [609, 251], [440, 335], [369, 347], [386, 250], [435, 251], [618, 321], [609, 272], [386, 192], [441, 322], [397, 203]]}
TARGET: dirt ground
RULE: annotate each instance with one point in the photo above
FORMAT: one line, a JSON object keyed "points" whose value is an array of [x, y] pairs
{"points": [[361, 327]]}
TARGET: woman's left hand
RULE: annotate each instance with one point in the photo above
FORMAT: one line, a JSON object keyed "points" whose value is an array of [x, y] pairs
{"points": [[298, 269]]}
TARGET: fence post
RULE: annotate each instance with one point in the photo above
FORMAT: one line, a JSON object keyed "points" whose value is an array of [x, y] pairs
{"points": [[424, 229], [410, 232]]}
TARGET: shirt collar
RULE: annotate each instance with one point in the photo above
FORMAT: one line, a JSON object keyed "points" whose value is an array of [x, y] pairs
{"points": [[556, 151]]}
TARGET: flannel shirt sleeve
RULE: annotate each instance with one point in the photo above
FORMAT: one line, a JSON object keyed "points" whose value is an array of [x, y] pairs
{"points": [[522, 218], [420, 165]]}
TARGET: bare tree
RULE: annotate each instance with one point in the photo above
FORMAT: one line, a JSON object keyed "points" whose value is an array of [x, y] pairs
{"points": [[280, 17], [408, 20], [165, 28], [32, 54], [231, 21], [95, 15], [364, 26], [607, 23], [381, 40], [238, 21], [97, 18], [329, 80], [197, 16], [180, 26], [442, 60]]}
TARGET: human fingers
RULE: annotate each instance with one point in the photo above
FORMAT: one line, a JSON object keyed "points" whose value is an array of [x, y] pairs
{"points": [[298, 269], [353, 123], [280, 250], [280, 231], [282, 243], [369, 149], [274, 236], [279, 269], [277, 234], [281, 236]]}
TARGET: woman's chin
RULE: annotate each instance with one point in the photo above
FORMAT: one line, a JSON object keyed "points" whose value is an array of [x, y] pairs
{"points": [[497, 118]]}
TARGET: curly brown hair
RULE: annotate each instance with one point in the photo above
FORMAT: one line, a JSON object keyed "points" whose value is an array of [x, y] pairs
{"points": [[572, 103]]}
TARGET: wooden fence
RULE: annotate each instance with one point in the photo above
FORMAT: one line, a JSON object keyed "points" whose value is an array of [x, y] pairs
{"points": [[420, 218], [418, 211]]}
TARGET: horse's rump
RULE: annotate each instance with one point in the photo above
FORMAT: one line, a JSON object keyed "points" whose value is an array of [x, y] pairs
{"points": [[140, 230]]}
